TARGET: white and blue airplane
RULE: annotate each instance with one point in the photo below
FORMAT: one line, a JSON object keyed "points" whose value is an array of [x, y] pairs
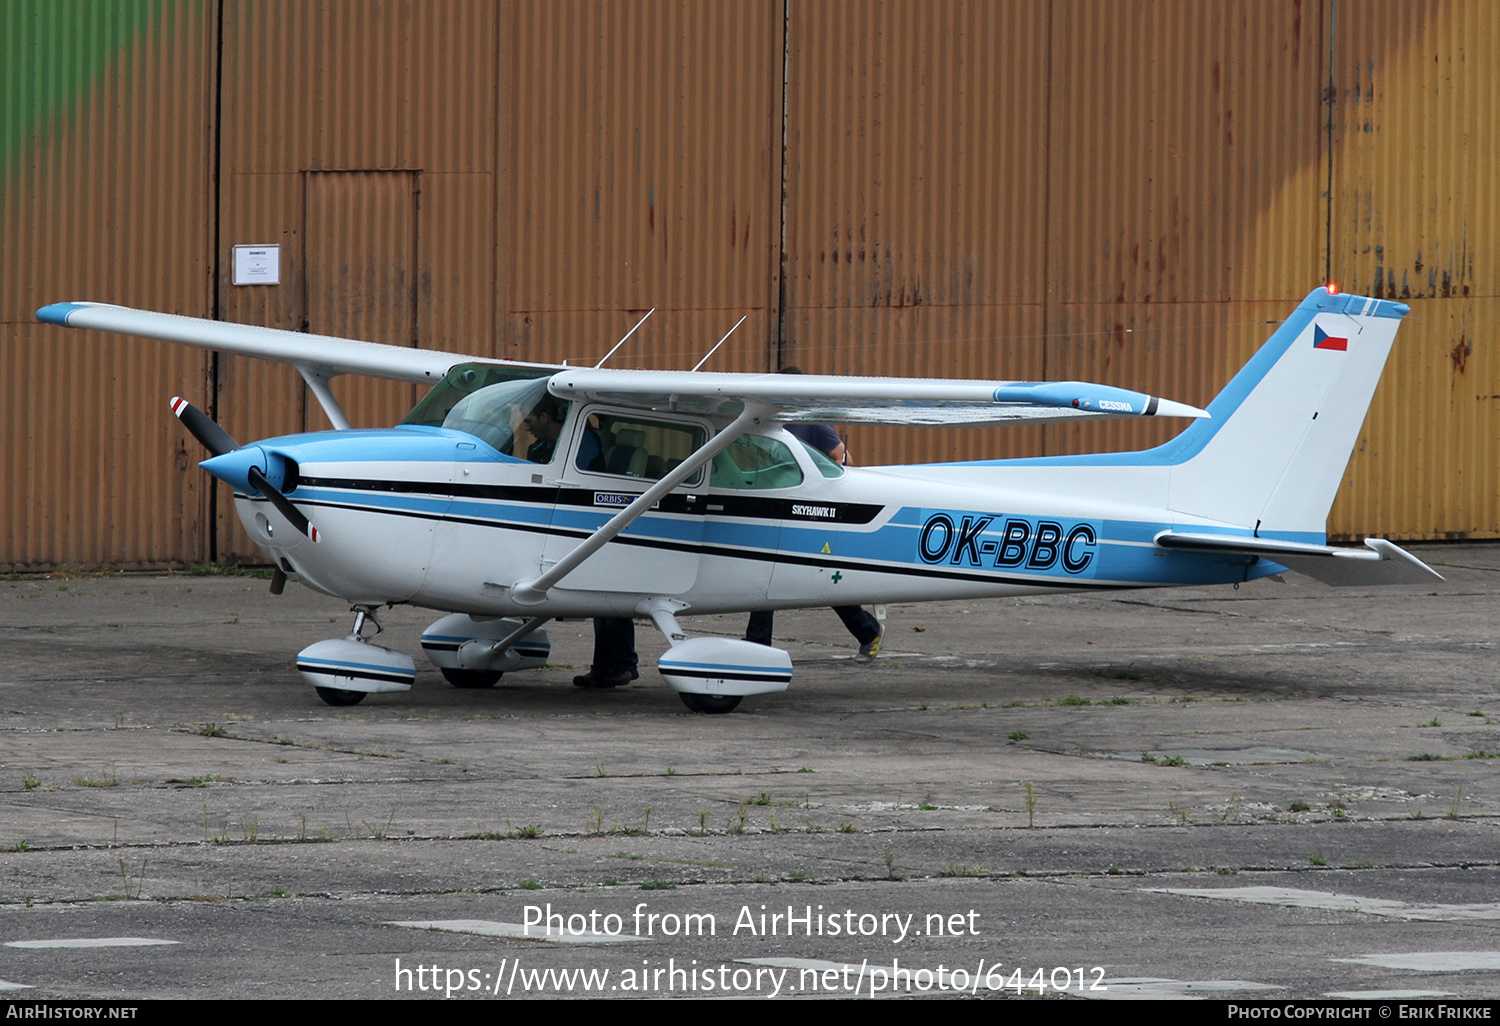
{"points": [[515, 493]]}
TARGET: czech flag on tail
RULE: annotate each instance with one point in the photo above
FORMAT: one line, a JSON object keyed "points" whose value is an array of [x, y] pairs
{"points": [[1323, 340]]}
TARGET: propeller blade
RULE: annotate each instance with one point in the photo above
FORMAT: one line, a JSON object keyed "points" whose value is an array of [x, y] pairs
{"points": [[282, 503], [202, 427]]}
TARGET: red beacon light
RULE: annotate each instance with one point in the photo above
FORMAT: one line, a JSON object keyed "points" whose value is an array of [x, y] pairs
{"points": [[1332, 289]]}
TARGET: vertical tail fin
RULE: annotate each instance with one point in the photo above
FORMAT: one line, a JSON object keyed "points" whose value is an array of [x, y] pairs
{"points": [[1274, 452]]}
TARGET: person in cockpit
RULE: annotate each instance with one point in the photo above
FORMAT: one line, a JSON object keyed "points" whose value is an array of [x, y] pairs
{"points": [[545, 422]]}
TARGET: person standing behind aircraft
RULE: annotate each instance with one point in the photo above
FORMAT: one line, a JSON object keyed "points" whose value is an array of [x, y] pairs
{"points": [[867, 630]]}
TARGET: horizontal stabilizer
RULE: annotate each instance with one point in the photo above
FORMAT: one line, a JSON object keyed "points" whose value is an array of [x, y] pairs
{"points": [[1380, 562]]}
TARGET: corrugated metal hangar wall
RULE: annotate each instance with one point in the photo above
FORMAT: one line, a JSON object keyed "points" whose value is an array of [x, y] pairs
{"points": [[1127, 192]]}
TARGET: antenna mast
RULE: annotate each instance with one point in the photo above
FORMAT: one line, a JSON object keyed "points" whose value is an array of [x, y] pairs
{"points": [[627, 335], [715, 349]]}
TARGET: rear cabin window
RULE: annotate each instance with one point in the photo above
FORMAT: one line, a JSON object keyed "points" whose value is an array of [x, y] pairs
{"points": [[755, 462]]}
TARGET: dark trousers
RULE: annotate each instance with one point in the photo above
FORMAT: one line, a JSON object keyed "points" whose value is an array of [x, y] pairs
{"points": [[861, 624], [614, 645]]}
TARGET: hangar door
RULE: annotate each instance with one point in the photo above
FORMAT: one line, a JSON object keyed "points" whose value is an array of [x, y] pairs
{"points": [[357, 279], [361, 279]]}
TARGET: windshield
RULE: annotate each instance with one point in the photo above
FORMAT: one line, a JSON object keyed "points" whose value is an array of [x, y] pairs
{"points": [[493, 402]]}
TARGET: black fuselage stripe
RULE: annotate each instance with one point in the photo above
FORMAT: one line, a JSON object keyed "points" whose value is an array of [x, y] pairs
{"points": [[703, 549], [693, 503], [337, 671], [725, 674]]}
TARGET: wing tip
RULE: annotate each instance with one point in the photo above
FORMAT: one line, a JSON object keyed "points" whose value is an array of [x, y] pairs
{"points": [[57, 313], [1169, 408]]}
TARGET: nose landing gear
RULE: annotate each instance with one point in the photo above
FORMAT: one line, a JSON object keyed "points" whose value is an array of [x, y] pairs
{"points": [[344, 670]]}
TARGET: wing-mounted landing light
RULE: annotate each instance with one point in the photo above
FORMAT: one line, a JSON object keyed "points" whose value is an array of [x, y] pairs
{"points": [[234, 464]]}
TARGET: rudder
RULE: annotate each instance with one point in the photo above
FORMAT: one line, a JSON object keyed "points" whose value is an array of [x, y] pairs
{"points": [[1273, 455]]}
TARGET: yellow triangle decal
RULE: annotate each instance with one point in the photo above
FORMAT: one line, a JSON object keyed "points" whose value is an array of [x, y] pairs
{"points": [[826, 549]]}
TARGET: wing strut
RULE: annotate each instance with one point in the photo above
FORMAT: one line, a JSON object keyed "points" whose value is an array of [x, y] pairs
{"points": [[476, 654], [317, 381], [534, 592]]}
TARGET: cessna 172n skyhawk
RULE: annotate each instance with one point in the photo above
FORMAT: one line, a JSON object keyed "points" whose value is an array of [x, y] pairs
{"points": [[665, 492]]}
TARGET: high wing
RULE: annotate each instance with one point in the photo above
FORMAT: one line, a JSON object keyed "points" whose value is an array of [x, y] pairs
{"points": [[783, 397], [321, 353], [828, 399], [318, 358]]}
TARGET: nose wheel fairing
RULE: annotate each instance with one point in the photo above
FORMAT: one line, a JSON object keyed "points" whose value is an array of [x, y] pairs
{"points": [[350, 664], [344, 670]]}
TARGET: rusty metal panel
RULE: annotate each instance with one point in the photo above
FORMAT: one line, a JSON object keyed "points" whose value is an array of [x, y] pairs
{"points": [[916, 197], [643, 157], [1416, 201], [1426, 461], [457, 239], [916, 154], [1093, 159], [361, 274], [988, 342], [373, 84], [105, 178], [1415, 216], [1184, 151]]}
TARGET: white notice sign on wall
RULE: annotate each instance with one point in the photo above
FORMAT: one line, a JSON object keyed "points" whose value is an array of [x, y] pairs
{"points": [[257, 265]]}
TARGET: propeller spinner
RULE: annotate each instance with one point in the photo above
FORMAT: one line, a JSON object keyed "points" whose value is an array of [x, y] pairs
{"points": [[219, 444]]}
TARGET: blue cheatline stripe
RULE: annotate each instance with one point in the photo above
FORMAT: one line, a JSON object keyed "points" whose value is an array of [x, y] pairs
{"points": [[674, 665], [337, 665], [1125, 554], [382, 500], [1119, 565]]}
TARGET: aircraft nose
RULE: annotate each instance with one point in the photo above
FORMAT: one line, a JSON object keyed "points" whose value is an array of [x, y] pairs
{"points": [[234, 468]]}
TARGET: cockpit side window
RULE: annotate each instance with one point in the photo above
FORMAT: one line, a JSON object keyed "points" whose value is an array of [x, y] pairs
{"points": [[632, 446]]}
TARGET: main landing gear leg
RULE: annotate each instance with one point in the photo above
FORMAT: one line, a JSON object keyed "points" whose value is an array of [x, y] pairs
{"points": [[362, 616]]}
